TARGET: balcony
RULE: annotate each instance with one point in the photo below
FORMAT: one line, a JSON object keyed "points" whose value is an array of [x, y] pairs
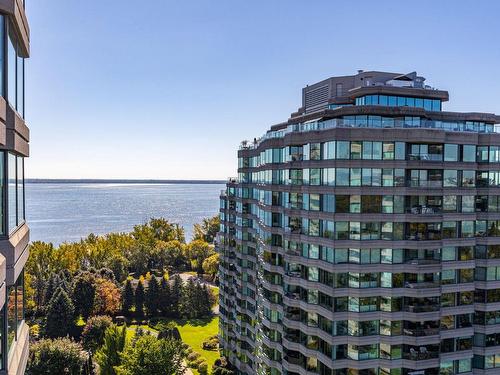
{"points": [[422, 285], [421, 353], [425, 183], [424, 210], [426, 157]]}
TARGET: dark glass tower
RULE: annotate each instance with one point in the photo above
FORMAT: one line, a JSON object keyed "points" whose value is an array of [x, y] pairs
{"points": [[362, 236]]}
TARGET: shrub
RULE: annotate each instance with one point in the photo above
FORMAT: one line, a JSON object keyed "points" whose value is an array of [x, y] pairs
{"points": [[203, 368], [193, 356], [222, 367], [35, 330], [168, 331], [212, 343], [198, 361], [59, 356], [93, 332]]}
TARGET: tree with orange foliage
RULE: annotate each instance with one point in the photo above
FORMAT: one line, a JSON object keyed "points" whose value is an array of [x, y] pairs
{"points": [[107, 297]]}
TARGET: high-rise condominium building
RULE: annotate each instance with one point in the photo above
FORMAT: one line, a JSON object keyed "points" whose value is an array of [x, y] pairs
{"points": [[14, 233], [362, 236]]}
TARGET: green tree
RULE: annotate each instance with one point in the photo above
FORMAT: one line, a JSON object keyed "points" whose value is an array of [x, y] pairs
{"points": [[152, 297], [127, 297], [40, 266], [164, 300], [139, 298], [168, 255], [207, 230], [208, 300], [60, 315], [158, 230], [197, 251], [176, 293], [211, 265], [119, 265], [50, 290], [59, 356], [93, 332], [153, 356], [109, 355], [83, 296], [189, 300]]}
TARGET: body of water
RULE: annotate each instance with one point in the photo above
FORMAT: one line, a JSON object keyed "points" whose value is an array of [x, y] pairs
{"points": [[59, 212]]}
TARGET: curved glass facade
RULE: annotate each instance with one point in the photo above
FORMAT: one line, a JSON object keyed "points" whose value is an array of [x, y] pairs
{"points": [[400, 101], [367, 252]]}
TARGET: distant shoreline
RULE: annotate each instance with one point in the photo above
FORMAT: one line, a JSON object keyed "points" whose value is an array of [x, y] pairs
{"points": [[113, 181]]}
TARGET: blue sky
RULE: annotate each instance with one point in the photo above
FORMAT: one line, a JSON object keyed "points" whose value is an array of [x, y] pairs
{"points": [[168, 89]]}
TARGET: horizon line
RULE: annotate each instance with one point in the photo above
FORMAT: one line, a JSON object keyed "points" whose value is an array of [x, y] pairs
{"points": [[123, 180]]}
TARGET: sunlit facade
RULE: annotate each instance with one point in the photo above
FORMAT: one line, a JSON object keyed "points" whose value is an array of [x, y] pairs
{"points": [[362, 236], [14, 147]]}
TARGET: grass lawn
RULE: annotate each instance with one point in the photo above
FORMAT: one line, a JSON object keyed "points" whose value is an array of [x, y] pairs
{"points": [[193, 333]]}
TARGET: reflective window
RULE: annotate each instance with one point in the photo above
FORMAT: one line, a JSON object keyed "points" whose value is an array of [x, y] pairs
{"points": [[469, 153], [12, 189], [11, 72], [400, 101], [20, 190], [2, 57], [450, 152], [11, 316], [342, 150]]}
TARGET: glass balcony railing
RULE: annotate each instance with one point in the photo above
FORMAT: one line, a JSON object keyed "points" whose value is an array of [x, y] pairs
{"points": [[373, 122], [426, 157]]}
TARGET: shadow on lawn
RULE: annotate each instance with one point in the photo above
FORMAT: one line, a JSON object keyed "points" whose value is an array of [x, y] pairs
{"points": [[195, 322]]}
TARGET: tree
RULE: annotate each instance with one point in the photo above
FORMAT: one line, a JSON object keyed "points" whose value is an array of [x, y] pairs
{"points": [[59, 356], [119, 265], [158, 230], [109, 355], [188, 306], [207, 230], [208, 300], [169, 255], [127, 297], [93, 332], [153, 356], [40, 267], [108, 297], [176, 292], [211, 265], [197, 251], [139, 298], [164, 300], [106, 273], [84, 292], [50, 289], [60, 315], [152, 297]]}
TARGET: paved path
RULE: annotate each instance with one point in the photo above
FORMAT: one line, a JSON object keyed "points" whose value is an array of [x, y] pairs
{"points": [[188, 370]]}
